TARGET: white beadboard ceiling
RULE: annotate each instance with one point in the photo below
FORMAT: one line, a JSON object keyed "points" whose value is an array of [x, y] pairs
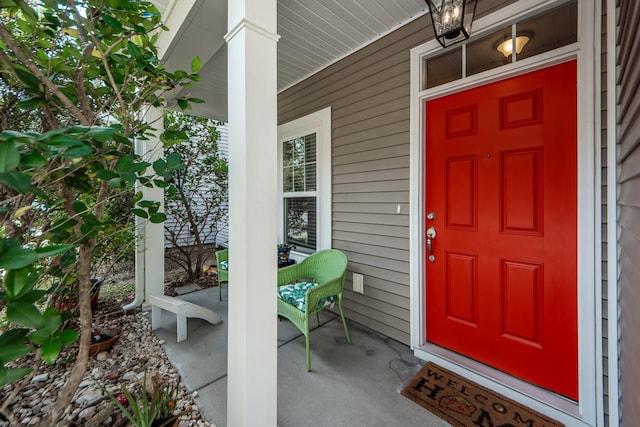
{"points": [[314, 34]]}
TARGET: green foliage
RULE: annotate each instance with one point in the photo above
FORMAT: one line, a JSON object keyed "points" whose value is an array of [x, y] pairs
{"points": [[26, 264], [199, 203], [77, 77], [151, 409]]}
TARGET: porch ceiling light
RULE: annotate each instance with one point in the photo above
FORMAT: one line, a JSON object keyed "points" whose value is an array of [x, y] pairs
{"points": [[506, 47], [451, 19]]}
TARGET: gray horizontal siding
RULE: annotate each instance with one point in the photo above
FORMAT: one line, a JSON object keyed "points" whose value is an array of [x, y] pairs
{"points": [[368, 93], [629, 210]]}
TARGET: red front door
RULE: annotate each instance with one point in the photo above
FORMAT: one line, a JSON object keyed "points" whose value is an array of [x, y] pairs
{"points": [[501, 178]]}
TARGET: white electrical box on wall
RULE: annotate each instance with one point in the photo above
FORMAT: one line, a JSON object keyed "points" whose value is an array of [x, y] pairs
{"points": [[358, 283]]}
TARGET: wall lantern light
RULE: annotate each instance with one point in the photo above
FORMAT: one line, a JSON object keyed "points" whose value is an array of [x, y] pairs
{"points": [[451, 19], [506, 47]]}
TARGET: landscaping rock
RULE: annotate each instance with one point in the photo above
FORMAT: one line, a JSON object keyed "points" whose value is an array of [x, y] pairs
{"points": [[137, 350]]}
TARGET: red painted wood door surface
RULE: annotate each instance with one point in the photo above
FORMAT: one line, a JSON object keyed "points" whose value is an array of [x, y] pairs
{"points": [[501, 179]]}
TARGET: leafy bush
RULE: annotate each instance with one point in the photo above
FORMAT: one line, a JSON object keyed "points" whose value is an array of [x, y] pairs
{"points": [[78, 77], [199, 206]]}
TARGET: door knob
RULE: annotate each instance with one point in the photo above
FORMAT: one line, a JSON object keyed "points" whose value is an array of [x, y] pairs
{"points": [[431, 234]]}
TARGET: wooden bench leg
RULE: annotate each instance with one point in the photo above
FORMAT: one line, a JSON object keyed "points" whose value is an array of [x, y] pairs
{"points": [[156, 317], [181, 326]]}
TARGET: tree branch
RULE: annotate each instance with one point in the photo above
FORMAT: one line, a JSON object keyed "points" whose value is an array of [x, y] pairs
{"points": [[28, 62]]}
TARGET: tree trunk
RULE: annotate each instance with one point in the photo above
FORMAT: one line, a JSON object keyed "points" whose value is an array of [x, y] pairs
{"points": [[82, 362]]}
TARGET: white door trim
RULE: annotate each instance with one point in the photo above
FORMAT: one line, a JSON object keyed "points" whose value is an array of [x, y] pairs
{"points": [[586, 51]]}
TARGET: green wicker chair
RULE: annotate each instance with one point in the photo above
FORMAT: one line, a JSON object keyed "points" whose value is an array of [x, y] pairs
{"points": [[222, 260], [326, 270]]}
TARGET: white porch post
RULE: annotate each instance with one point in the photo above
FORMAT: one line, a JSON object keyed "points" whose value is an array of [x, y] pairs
{"points": [[252, 357], [153, 234]]}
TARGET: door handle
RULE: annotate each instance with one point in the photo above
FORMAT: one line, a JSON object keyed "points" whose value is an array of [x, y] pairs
{"points": [[431, 234]]}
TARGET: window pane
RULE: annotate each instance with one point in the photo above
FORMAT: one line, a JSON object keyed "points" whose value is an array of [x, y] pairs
{"points": [[444, 68], [300, 222], [287, 180], [298, 178], [483, 55], [550, 31], [310, 162], [299, 164]]}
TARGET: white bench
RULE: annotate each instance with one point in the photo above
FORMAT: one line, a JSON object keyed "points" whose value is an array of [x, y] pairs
{"points": [[182, 309]]}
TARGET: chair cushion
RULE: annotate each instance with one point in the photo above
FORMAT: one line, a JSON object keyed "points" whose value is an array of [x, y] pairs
{"points": [[224, 265], [294, 295]]}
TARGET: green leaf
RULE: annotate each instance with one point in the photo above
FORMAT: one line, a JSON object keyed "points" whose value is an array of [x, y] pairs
{"points": [[9, 156], [50, 350], [47, 251], [16, 136], [140, 212], [115, 182], [15, 282], [196, 64], [184, 104], [30, 104], [77, 152], [159, 166], [134, 50], [64, 141], [125, 164], [13, 351], [67, 336], [25, 314], [17, 257], [196, 100], [160, 183], [12, 336], [33, 160], [79, 207], [157, 218], [28, 78], [52, 320], [17, 180], [40, 336], [111, 21], [28, 12], [101, 134], [32, 296], [9, 375], [106, 174], [148, 204], [173, 160]]}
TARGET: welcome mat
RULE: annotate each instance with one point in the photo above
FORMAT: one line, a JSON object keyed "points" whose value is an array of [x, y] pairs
{"points": [[464, 403]]}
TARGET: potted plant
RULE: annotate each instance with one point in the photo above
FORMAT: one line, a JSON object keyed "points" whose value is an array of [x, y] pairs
{"points": [[156, 407], [284, 249]]}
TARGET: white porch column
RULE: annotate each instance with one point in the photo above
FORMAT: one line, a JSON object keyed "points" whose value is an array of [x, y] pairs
{"points": [[153, 234], [252, 357]]}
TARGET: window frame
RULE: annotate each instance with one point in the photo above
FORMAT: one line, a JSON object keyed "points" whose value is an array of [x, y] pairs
{"points": [[319, 123]]}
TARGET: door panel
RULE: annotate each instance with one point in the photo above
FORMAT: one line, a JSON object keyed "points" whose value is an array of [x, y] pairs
{"points": [[501, 177]]}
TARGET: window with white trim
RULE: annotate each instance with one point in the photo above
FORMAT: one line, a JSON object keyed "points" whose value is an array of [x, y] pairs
{"points": [[304, 159]]}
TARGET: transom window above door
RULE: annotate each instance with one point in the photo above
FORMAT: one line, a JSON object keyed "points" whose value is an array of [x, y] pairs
{"points": [[527, 37]]}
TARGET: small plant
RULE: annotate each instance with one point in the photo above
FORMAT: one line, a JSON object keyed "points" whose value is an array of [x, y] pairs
{"points": [[286, 246], [154, 408], [283, 252]]}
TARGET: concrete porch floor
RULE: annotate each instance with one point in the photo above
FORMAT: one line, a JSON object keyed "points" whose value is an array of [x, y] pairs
{"points": [[360, 383]]}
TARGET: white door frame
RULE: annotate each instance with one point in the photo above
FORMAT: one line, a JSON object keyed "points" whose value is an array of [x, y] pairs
{"points": [[588, 411]]}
